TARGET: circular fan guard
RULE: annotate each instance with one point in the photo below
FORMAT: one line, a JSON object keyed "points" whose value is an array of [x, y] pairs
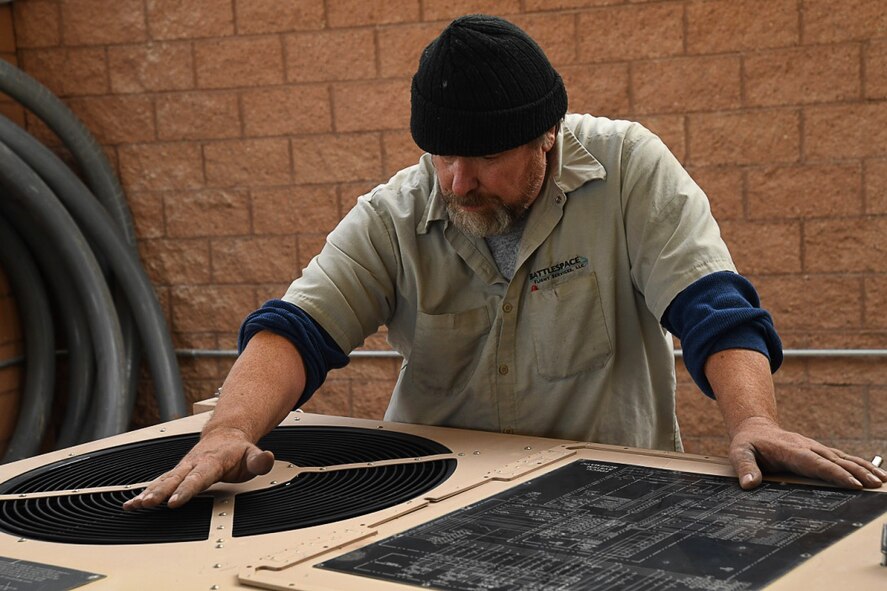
{"points": [[307, 500]]}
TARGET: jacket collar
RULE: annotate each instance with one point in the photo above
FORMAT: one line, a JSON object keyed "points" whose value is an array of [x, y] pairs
{"points": [[573, 166]]}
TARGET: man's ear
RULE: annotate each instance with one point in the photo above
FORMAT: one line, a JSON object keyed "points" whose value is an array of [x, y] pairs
{"points": [[549, 139]]}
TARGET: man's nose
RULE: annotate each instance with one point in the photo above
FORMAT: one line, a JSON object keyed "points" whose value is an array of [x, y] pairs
{"points": [[464, 176]]}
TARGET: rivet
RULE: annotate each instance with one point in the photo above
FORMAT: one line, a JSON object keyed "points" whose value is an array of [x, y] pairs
{"points": [[290, 466], [214, 587], [528, 448], [369, 463], [273, 482], [477, 453], [322, 468], [221, 527], [22, 540], [297, 419], [217, 565], [220, 545], [219, 541], [461, 453], [23, 495], [163, 429], [222, 514]]}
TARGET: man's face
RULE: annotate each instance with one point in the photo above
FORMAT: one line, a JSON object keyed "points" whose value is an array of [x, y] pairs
{"points": [[486, 195]]}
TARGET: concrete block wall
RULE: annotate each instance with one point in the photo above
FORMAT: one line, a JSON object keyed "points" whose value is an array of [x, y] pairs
{"points": [[244, 129]]}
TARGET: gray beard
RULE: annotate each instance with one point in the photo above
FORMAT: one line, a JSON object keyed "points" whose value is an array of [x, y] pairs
{"points": [[500, 221]]}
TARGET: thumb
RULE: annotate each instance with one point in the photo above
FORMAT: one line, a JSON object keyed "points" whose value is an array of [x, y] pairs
{"points": [[258, 461], [742, 456]]}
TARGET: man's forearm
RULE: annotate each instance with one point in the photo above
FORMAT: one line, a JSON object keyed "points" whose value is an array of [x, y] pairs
{"points": [[744, 390], [743, 386], [264, 384]]}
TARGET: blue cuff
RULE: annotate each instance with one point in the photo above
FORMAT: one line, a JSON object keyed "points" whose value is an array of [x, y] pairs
{"points": [[718, 312], [319, 351]]}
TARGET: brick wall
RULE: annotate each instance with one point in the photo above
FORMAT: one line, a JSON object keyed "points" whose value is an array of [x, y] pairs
{"points": [[243, 131]]}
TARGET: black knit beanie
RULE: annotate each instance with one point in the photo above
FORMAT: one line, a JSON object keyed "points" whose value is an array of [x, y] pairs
{"points": [[483, 87]]}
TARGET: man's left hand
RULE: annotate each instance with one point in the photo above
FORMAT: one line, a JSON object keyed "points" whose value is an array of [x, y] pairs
{"points": [[760, 444]]}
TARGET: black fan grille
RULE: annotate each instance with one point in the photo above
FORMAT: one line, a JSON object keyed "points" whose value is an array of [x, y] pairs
{"points": [[307, 500], [96, 518], [319, 498]]}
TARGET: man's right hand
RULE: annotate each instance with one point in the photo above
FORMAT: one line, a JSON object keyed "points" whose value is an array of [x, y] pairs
{"points": [[221, 455]]}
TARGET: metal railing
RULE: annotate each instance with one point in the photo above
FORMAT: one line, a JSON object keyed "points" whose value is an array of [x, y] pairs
{"points": [[388, 354]]}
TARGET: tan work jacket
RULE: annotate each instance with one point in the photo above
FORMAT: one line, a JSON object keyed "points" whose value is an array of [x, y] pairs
{"points": [[571, 347]]}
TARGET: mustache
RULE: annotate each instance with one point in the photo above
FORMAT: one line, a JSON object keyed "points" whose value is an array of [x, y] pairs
{"points": [[472, 199]]}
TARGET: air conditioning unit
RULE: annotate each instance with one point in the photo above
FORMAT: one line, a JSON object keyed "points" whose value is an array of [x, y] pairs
{"points": [[360, 504]]}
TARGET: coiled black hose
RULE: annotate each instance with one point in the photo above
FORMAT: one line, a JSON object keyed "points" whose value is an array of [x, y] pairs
{"points": [[36, 319], [27, 191], [66, 302], [45, 191], [124, 264]]}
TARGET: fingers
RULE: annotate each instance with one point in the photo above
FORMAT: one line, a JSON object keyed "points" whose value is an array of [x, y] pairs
{"points": [[191, 485], [775, 449], [742, 457], [230, 460], [863, 474], [159, 490], [259, 462]]}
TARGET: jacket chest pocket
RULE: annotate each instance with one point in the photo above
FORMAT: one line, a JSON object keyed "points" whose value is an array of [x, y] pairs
{"points": [[569, 331], [446, 349]]}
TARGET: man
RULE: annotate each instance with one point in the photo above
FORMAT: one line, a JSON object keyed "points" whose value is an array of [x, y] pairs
{"points": [[527, 268]]}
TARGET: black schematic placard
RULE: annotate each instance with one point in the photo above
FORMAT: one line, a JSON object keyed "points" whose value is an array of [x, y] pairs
{"points": [[597, 525]]}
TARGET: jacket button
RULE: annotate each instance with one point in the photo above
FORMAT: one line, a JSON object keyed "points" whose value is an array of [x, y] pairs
{"points": [[503, 369], [507, 307]]}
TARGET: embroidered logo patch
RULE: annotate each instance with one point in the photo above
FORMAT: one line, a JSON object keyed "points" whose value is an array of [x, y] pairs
{"points": [[539, 277]]}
